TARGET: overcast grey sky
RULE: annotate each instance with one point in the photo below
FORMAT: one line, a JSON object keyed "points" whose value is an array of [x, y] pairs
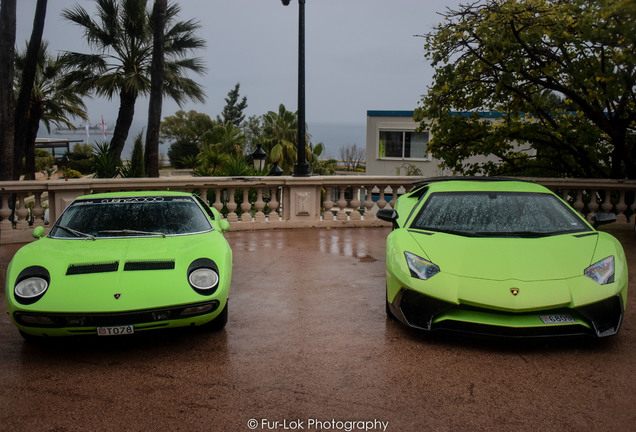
{"points": [[360, 54]]}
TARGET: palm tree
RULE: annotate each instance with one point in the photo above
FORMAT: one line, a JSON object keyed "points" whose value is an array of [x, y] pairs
{"points": [[280, 135], [210, 159], [156, 88], [27, 79], [51, 102], [227, 138], [7, 98], [122, 37]]}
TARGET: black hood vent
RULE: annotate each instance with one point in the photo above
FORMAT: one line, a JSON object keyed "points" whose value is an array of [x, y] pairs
{"points": [[104, 267], [149, 265]]}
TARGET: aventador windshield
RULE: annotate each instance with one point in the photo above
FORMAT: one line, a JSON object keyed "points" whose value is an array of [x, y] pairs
{"points": [[497, 214], [131, 217]]}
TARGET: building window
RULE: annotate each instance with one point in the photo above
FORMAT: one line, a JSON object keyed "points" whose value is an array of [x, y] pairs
{"points": [[403, 144]]}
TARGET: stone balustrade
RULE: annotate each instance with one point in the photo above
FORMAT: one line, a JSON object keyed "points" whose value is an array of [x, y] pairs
{"points": [[283, 202]]}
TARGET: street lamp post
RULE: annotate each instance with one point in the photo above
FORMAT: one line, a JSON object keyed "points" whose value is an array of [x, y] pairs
{"points": [[258, 157], [301, 168]]}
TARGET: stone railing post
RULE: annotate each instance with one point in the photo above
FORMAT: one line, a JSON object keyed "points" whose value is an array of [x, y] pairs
{"points": [[246, 206], [342, 204], [303, 200], [231, 206], [355, 204], [273, 204], [21, 213], [259, 216], [5, 212], [368, 203]]}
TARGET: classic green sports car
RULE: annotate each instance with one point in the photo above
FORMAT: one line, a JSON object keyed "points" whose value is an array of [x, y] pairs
{"points": [[121, 263], [501, 257]]}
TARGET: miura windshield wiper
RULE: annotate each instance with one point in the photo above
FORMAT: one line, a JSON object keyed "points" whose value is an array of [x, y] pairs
{"points": [[76, 233]]}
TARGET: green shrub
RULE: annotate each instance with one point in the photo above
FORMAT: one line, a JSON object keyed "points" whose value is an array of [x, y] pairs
{"points": [[44, 161], [180, 151]]}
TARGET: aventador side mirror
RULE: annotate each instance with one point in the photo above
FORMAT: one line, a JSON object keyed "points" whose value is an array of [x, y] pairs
{"points": [[388, 215], [603, 218]]}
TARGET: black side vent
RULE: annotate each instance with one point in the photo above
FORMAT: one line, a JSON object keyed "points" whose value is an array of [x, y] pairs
{"points": [[149, 265], [77, 269]]}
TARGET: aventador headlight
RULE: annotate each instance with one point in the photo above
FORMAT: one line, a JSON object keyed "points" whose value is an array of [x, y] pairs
{"points": [[601, 272], [420, 268]]}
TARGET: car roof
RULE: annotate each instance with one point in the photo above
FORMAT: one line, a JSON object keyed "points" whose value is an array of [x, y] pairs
{"points": [[481, 184], [128, 194]]}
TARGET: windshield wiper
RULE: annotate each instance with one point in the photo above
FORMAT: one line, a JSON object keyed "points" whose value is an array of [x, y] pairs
{"points": [[522, 234], [76, 233], [128, 231], [453, 232]]}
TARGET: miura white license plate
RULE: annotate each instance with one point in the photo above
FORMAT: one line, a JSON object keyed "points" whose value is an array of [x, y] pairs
{"points": [[115, 330], [556, 319]]}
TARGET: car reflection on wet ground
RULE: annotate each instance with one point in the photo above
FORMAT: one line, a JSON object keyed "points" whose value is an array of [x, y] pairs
{"points": [[308, 346]]}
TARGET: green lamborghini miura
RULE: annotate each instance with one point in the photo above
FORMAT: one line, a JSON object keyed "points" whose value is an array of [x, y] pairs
{"points": [[501, 257], [122, 263]]}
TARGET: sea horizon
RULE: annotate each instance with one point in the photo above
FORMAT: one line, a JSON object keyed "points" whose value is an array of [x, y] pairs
{"points": [[333, 136]]}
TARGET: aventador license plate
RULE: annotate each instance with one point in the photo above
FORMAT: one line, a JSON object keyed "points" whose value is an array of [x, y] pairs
{"points": [[115, 330], [556, 319]]}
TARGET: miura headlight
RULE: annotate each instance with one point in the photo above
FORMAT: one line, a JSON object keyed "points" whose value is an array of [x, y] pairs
{"points": [[31, 287], [203, 276], [31, 284], [601, 272], [420, 268]]}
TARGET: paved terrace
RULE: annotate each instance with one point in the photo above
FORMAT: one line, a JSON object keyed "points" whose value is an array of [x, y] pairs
{"points": [[307, 341]]}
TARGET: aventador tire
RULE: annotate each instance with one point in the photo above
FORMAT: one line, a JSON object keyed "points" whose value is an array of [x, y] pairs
{"points": [[389, 314]]}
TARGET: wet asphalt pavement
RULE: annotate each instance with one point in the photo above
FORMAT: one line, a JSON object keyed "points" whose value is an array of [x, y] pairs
{"points": [[308, 347]]}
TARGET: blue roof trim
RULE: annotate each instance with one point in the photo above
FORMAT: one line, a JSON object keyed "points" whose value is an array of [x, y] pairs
{"points": [[393, 113], [406, 113]]}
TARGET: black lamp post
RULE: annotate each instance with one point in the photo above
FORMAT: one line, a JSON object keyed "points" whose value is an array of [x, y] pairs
{"points": [[301, 168], [258, 157]]}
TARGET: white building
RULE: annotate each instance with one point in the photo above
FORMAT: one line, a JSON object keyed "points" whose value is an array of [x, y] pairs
{"points": [[395, 147]]}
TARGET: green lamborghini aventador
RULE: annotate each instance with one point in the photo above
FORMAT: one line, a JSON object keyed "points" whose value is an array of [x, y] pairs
{"points": [[121, 263], [501, 257]]}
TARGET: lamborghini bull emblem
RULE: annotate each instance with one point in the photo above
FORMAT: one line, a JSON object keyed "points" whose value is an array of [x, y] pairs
{"points": [[119, 295], [514, 291]]}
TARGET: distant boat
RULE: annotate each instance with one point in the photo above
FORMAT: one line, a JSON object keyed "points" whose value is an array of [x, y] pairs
{"points": [[97, 129]]}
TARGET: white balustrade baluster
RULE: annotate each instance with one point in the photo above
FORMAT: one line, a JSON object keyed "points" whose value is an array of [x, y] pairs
{"points": [[21, 213], [607, 202], [273, 204], [342, 204], [621, 208], [593, 205], [579, 205], [368, 203], [218, 204], [355, 204], [327, 204], [38, 210], [381, 201], [246, 206], [259, 216], [231, 206], [5, 212]]}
